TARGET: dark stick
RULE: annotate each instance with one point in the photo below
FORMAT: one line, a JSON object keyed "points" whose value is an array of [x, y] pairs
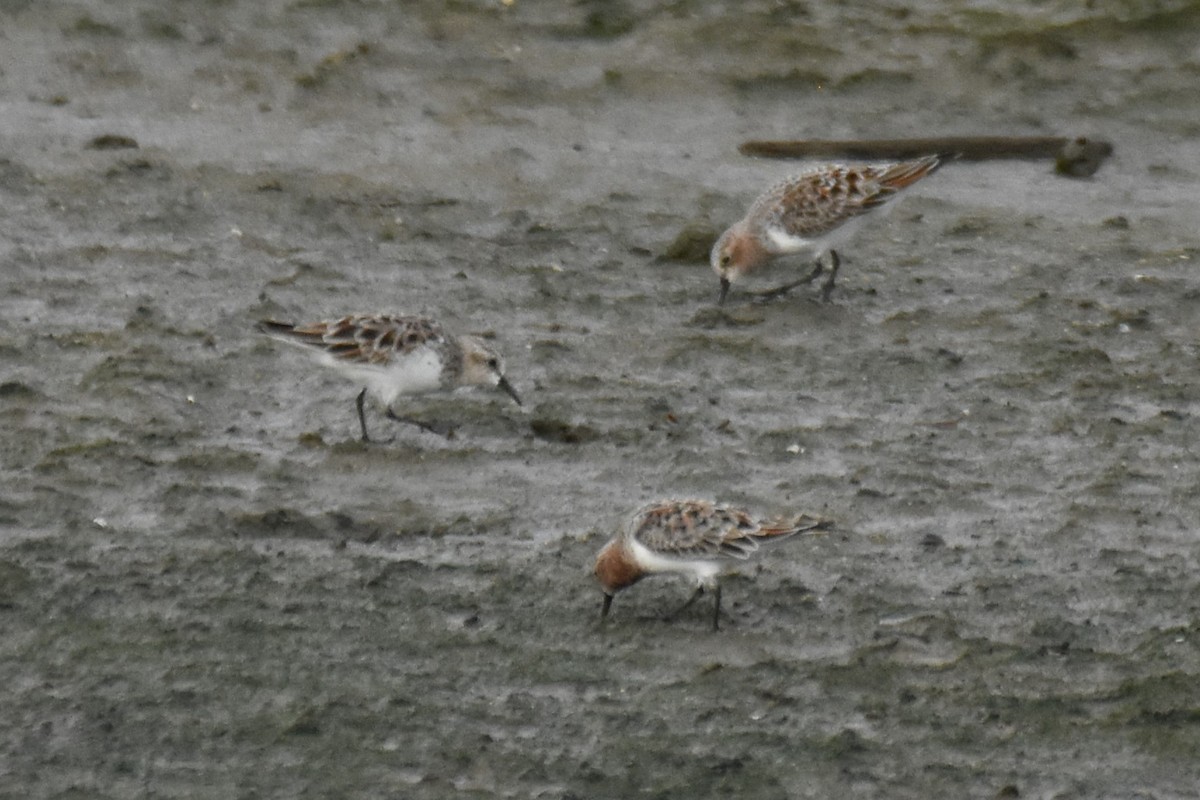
{"points": [[970, 148], [967, 148]]}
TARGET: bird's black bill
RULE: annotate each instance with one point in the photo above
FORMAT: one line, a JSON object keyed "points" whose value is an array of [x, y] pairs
{"points": [[507, 387], [724, 291], [607, 605]]}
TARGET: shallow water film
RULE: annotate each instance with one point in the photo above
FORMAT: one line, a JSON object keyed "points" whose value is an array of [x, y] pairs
{"points": [[209, 587]]}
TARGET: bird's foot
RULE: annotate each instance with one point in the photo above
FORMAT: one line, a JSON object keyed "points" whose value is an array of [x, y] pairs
{"points": [[369, 440], [827, 287], [441, 429], [770, 295]]}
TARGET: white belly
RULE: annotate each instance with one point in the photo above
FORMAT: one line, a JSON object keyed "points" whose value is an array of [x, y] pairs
{"points": [[784, 242], [416, 373], [816, 246], [703, 571]]}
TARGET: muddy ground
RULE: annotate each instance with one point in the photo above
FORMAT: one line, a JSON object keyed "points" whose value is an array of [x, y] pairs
{"points": [[210, 588]]}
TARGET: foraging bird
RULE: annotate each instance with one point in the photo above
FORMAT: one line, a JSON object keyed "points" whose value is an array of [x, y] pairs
{"points": [[396, 355], [810, 213], [690, 537]]}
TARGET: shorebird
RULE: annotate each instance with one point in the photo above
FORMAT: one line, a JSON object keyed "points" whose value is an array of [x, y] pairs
{"points": [[393, 356], [810, 213], [690, 537]]}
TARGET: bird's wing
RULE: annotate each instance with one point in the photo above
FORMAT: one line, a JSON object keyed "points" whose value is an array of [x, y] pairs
{"points": [[695, 529], [364, 339], [816, 202]]}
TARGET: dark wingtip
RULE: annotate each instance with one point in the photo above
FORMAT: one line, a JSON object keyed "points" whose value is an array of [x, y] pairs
{"points": [[813, 524], [274, 326]]}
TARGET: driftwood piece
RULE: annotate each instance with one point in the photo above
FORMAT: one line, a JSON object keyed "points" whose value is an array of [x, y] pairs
{"points": [[1076, 157]]}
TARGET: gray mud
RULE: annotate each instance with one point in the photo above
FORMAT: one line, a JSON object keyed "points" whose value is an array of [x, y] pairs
{"points": [[209, 588]]}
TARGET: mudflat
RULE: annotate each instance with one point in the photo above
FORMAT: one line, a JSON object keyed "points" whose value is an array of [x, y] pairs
{"points": [[210, 588]]}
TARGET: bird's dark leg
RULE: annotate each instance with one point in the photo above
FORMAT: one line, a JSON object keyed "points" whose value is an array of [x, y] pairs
{"points": [[362, 420], [779, 291], [717, 608], [446, 431], [699, 591], [834, 263], [607, 605]]}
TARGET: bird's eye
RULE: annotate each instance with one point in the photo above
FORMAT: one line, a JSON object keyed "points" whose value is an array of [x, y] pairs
{"points": [[725, 259], [493, 363]]}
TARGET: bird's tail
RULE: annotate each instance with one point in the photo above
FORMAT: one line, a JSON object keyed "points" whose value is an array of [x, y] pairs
{"points": [[273, 327], [907, 173], [808, 524], [314, 334], [304, 336]]}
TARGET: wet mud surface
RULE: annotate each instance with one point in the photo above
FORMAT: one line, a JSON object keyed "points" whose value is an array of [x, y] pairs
{"points": [[210, 588]]}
